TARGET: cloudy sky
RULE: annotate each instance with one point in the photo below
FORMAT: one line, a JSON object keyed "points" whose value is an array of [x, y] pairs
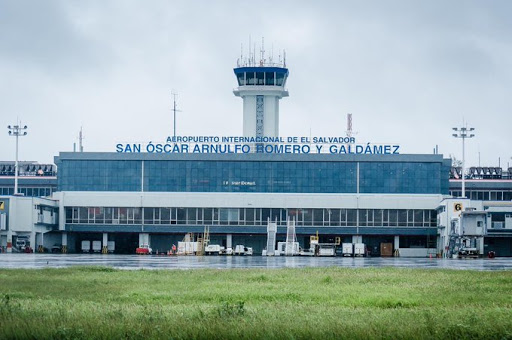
{"points": [[408, 71]]}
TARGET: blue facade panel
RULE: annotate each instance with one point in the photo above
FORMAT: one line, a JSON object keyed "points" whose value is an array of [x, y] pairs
{"points": [[100, 175], [400, 178], [233, 176], [391, 174]]}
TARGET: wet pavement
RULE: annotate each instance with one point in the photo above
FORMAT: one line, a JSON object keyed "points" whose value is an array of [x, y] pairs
{"points": [[228, 262]]}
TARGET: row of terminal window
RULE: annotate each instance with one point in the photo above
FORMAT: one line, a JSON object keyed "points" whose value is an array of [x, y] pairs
{"points": [[29, 170], [493, 195], [261, 78], [29, 192], [252, 216]]}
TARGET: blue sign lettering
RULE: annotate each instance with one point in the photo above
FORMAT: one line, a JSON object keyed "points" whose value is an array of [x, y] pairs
{"points": [[267, 145]]}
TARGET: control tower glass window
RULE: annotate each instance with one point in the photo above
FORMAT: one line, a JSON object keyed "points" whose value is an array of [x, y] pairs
{"points": [[250, 78], [269, 78], [241, 79], [279, 79], [260, 77]]}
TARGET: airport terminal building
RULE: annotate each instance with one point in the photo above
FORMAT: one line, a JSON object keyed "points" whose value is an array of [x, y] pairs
{"points": [[132, 197], [361, 198]]}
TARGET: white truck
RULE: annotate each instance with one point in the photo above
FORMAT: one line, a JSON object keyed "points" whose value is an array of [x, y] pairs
{"points": [[86, 246], [242, 250], [348, 249], [213, 249]]}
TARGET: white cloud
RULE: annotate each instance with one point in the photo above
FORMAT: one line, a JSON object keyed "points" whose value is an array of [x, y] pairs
{"points": [[407, 71]]}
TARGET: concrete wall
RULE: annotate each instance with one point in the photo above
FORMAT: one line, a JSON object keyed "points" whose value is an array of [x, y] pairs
{"points": [[417, 252], [22, 214], [248, 200], [249, 119]]}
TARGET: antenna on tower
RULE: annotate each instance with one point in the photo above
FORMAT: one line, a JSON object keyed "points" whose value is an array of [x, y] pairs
{"points": [[249, 59], [174, 110], [262, 52], [271, 58], [350, 132], [241, 60], [250, 56], [80, 141]]}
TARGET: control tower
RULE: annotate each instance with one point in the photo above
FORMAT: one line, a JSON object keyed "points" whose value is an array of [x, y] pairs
{"points": [[261, 84]]}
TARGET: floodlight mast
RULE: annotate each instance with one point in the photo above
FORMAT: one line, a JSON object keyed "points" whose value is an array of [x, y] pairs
{"points": [[463, 132], [17, 131]]}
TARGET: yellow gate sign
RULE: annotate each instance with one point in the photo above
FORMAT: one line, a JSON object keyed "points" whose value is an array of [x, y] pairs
{"points": [[2, 205], [457, 207]]}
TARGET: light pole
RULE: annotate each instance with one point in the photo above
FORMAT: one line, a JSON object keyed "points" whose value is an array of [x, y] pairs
{"points": [[16, 131], [463, 133]]}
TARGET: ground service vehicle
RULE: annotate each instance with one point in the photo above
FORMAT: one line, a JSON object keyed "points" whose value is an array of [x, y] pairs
{"points": [[22, 243], [143, 250], [213, 249], [242, 250]]}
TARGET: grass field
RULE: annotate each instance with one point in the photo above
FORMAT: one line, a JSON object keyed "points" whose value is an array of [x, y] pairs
{"points": [[313, 303]]}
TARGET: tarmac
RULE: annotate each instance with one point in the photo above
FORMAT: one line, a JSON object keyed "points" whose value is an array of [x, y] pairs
{"points": [[134, 262]]}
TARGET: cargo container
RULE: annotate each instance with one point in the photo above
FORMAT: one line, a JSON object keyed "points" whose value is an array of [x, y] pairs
{"points": [[293, 249], [96, 246], [327, 251], [86, 246], [111, 246], [359, 249], [188, 247], [348, 249], [386, 249]]}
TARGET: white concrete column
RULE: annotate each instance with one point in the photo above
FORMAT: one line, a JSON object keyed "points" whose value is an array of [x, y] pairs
{"points": [[33, 240], [9, 241], [397, 242], [104, 248], [64, 242], [480, 245], [62, 211], [143, 239], [12, 223], [271, 116], [249, 118], [357, 239], [40, 244], [229, 241]]}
